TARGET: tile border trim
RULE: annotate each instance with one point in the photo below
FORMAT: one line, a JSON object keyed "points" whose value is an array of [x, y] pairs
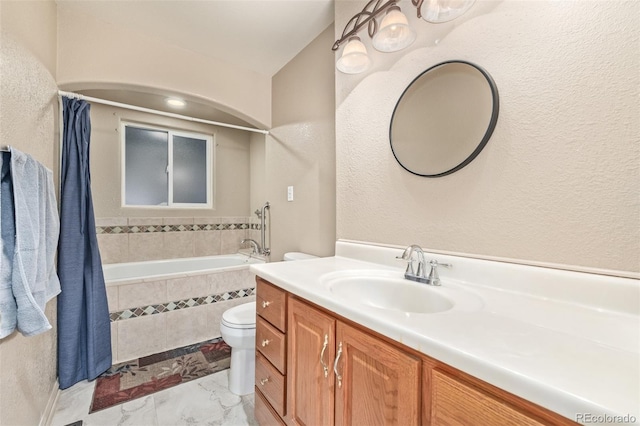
{"points": [[143, 229], [142, 311]]}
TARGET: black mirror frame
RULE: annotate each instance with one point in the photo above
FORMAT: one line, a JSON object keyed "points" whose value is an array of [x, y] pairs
{"points": [[487, 135]]}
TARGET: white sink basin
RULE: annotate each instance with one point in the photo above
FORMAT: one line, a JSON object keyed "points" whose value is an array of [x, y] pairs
{"points": [[391, 291], [393, 294]]}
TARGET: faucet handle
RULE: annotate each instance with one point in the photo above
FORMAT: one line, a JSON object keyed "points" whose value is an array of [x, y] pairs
{"points": [[434, 278], [435, 263]]}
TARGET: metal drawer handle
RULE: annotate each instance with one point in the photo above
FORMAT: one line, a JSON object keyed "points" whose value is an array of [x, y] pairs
{"points": [[335, 365], [265, 342], [325, 367], [265, 304], [264, 381]]}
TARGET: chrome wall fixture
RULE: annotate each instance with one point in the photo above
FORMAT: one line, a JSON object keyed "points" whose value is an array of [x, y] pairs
{"points": [[393, 33], [261, 248], [266, 251]]}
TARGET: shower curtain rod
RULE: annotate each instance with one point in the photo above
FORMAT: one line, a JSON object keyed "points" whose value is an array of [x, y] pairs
{"points": [[157, 112]]}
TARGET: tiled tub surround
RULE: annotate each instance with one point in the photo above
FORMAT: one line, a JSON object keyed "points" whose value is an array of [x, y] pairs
{"points": [[136, 239], [160, 312]]}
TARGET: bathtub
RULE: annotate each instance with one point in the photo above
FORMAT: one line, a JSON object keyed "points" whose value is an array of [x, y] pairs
{"points": [[115, 273], [160, 305]]}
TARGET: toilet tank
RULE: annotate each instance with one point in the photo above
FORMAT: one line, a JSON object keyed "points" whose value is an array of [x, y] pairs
{"points": [[296, 255]]}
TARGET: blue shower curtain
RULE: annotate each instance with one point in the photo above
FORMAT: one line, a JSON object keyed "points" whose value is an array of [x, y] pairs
{"points": [[84, 332]]}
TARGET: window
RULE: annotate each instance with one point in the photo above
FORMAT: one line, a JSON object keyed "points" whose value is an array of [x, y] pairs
{"points": [[166, 168]]}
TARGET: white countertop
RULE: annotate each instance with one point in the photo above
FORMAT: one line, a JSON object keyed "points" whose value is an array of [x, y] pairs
{"points": [[570, 357]]}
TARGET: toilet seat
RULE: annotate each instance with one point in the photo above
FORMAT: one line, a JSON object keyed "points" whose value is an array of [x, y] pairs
{"points": [[241, 316]]}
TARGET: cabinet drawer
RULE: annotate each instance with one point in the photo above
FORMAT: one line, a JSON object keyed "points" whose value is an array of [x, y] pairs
{"points": [[272, 344], [271, 304], [264, 414], [271, 383]]}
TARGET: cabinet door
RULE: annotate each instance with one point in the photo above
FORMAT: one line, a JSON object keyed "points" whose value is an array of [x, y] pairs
{"points": [[378, 384], [311, 343], [453, 402]]}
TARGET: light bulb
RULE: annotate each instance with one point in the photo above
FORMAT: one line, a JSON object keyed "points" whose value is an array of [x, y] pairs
{"points": [[394, 33], [437, 11], [175, 102]]}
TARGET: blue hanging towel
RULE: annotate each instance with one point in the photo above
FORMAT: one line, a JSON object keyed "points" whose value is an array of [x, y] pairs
{"points": [[8, 307], [29, 230], [84, 331]]}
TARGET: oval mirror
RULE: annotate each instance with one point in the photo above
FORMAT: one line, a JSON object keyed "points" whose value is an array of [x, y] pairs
{"points": [[444, 119]]}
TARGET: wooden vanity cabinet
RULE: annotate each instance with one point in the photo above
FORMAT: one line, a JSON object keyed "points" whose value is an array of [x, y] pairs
{"points": [[338, 373]]}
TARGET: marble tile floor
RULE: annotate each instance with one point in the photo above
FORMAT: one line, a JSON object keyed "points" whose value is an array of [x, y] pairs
{"points": [[201, 402]]}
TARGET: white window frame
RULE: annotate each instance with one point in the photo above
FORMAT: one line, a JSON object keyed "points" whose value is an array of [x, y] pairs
{"points": [[209, 138]]}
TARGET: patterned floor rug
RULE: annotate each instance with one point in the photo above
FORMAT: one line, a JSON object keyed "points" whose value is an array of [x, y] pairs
{"points": [[134, 379]]}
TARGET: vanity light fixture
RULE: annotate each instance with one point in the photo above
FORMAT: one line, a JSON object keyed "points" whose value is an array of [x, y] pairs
{"points": [[176, 102], [393, 33], [354, 59]]}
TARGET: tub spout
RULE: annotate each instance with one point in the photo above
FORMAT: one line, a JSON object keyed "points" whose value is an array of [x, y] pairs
{"points": [[255, 247]]}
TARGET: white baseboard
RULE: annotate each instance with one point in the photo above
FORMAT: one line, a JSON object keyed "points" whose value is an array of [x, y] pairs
{"points": [[47, 415]]}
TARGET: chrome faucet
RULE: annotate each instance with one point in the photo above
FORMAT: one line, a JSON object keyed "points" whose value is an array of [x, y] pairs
{"points": [[255, 247], [419, 274], [410, 273]]}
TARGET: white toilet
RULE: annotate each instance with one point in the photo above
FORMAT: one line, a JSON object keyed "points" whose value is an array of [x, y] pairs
{"points": [[238, 329], [296, 255]]}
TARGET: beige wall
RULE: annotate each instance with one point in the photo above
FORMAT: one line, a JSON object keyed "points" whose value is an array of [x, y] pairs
{"points": [[106, 54], [300, 152], [231, 167], [28, 121], [27, 21], [257, 174], [558, 181]]}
